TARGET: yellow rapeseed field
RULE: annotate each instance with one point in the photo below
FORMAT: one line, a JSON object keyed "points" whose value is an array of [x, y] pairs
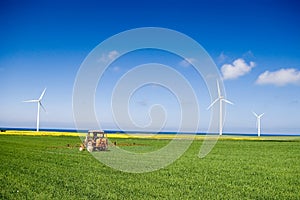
{"points": [[149, 136]]}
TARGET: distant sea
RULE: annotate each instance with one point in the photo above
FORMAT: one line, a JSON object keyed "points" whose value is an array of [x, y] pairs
{"points": [[132, 132]]}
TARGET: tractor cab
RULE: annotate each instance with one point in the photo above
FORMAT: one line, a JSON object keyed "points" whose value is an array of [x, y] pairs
{"points": [[96, 140]]}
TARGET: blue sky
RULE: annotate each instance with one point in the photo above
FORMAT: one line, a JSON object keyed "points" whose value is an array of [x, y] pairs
{"points": [[255, 45]]}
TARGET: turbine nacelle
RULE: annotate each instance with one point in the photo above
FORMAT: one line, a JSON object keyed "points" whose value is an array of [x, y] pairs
{"points": [[258, 116]]}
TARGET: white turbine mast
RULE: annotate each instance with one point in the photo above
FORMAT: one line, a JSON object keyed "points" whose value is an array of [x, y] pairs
{"points": [[258, 122], [221, 99], [39, 103]]}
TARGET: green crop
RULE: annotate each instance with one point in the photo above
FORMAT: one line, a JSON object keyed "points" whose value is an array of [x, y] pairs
{"points": [[47, 167]]}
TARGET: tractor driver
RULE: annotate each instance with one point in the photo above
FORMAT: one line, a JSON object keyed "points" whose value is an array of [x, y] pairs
{"points": [[95, 137]]}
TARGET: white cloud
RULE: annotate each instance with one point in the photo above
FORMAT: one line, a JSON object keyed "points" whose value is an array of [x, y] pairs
{"points": [[110, 56], [248, 55], [187, 62], [238, 68], [222, 58], [280, 77]]}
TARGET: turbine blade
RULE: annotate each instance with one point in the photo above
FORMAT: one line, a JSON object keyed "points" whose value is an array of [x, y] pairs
{"points": [[219, 92], [225, 100], [31, 101], [42, 94], [254, 114], [215, 101], [42, 107], [261, 115]]}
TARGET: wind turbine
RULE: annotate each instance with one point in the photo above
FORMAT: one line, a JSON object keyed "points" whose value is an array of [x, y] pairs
{"points": [[221, 99], [39, 102], [258, 122]]}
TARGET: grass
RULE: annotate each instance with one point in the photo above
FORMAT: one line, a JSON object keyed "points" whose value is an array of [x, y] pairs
{"points": [[51, 167]]}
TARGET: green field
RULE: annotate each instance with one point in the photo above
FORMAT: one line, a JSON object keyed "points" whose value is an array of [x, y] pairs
{"points": [[49, 167]]}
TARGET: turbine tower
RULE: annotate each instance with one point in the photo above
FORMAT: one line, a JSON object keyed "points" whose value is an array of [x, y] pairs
{"points": [[258, 122], [39, 103], [221, 99]]}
